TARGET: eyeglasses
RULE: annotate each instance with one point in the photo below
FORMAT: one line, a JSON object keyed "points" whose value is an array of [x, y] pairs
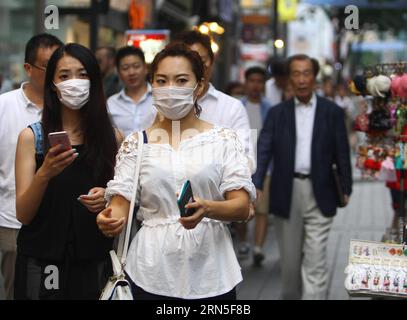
{"points": [[39, 68]]}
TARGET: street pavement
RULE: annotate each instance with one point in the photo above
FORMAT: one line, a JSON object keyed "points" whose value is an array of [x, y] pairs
{"points": [[366, 217]]}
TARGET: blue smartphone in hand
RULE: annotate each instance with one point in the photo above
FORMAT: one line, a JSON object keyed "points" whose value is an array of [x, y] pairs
{"points": [[184, 198]]}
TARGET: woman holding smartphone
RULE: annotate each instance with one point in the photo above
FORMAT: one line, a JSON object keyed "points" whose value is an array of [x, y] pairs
{"points": [[61, 253], [174, 257]]}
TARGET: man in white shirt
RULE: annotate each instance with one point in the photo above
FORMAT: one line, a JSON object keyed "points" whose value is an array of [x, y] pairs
{"points": [[219, 108], [275, 86], [342, 99], [328, 89], [5, 84], [18, 109], [132, 108], [257, 107]]}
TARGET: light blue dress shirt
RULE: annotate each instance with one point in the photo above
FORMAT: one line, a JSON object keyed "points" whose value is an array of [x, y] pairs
{"points": [[130, 116]]}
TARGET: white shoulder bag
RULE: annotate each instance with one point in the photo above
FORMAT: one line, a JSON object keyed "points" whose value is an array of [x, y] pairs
{"points": [[117, 287]]}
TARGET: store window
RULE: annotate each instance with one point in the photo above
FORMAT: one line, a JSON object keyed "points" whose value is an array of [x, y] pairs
{"points": [[16, 24]]}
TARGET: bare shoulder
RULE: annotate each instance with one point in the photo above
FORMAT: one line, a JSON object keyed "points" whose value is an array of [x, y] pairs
{"points": [[26, 141], [157, 134], [119, 136], [205, 125], [26, 136]]}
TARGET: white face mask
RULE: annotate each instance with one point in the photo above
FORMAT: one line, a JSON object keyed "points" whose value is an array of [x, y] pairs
{"points": [[74, 92], [173, 102]]}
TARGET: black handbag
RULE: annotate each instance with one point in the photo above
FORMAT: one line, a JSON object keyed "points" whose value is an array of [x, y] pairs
{"points": [[339, 192]]}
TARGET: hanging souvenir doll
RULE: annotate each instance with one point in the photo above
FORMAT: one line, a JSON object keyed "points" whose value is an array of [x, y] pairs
{"points": [[386, 282]]}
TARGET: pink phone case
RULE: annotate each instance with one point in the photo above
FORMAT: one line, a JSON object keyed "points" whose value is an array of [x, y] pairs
{"points": [[61, 137]]}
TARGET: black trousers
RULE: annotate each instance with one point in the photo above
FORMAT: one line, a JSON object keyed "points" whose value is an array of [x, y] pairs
{"points": [[141, 294], [37, 279]]}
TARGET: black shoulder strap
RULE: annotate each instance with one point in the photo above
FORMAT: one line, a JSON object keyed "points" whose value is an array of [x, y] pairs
{"points": [[145, 136]]}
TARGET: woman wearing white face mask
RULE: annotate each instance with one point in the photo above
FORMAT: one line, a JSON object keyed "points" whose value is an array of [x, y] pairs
{"points": [[172, 257], [59, 194], [74, 93]]}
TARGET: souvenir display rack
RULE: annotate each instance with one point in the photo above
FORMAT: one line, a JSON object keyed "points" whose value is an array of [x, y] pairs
{"points": [[376, 269], [380, 268], [384, 155]]}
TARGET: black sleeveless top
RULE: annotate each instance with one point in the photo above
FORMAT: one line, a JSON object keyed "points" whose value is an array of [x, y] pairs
{"points": [[62, 223]]}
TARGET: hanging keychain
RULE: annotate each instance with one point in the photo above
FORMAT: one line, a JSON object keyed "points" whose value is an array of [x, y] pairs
{"points": [[399, 157], [403, 151], [404, 156], [404, 277]]}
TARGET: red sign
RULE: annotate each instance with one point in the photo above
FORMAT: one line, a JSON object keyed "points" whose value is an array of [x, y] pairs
{"points": [[150, 41]]}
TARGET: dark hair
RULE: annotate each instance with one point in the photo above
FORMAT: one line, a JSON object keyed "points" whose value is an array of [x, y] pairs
{"points": [[178, 49], [327, 80], [100, 146], [314, 62], [255, 70], [128, 51], [43, 40], [341, 83], [111, 52], [193, 36], [277, 67], [232, 85]]}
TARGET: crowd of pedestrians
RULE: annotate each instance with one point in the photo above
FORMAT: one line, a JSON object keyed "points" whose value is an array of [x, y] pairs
{"points": [[265, 147]]}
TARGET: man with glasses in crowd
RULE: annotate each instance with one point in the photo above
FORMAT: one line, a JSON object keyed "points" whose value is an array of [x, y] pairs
{"points": [[18, 109]]}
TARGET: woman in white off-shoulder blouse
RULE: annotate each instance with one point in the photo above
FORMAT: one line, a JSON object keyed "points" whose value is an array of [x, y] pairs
{"points": [[173, 257]]}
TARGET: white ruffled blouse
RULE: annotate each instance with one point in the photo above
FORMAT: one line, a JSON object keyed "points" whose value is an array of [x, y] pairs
{"points": [[165, 258]]}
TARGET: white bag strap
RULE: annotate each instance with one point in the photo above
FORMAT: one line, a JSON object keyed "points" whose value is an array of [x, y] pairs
{"points": [[123, 245], [117, 268]]}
